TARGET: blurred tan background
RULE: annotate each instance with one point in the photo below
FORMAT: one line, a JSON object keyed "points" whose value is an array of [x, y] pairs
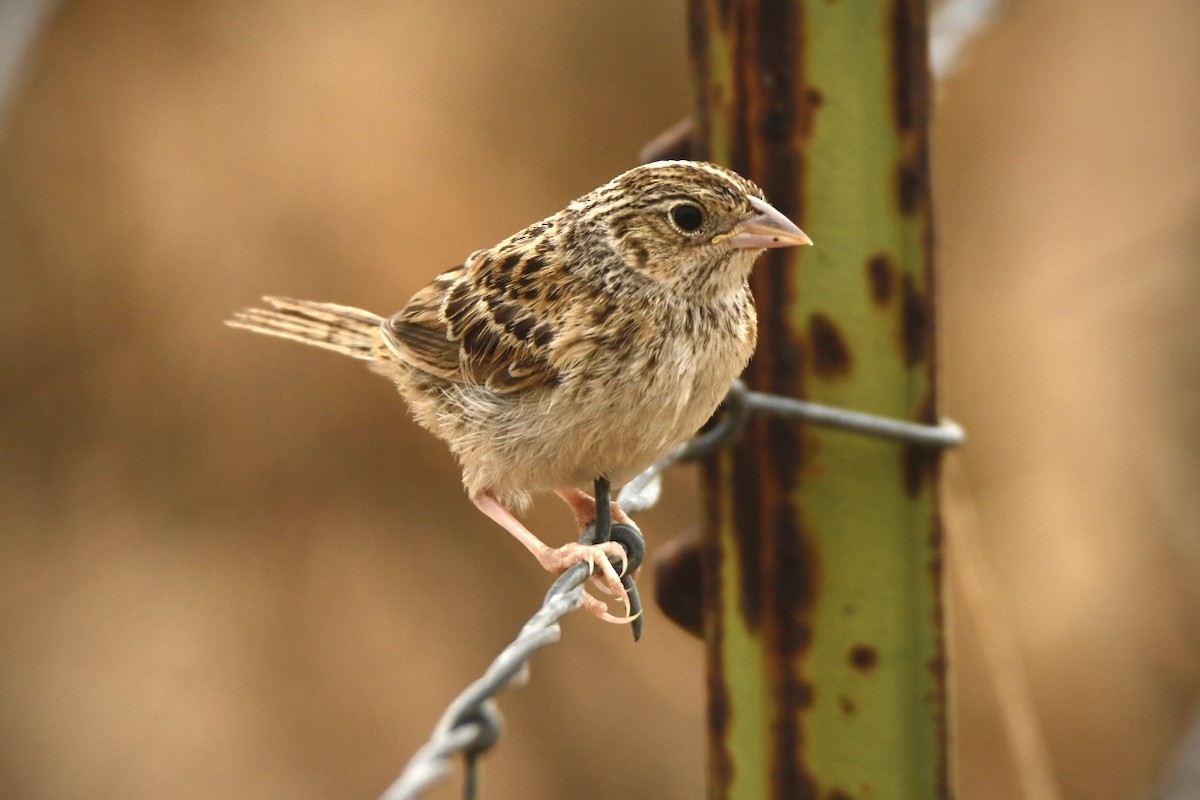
{"points": [[230, 567]]}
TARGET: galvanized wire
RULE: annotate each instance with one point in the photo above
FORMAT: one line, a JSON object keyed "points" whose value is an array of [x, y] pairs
{"points": [[643, 491], [471, 724]]}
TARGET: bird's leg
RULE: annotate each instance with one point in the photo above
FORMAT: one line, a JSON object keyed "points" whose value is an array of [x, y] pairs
{"points": [[583, 505], [558, 560]]}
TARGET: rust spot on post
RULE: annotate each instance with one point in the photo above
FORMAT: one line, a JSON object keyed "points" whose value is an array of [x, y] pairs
{"points": [[917, 324], [720, 761], [910, 71], [918, 464], [863, 657], [792, 590], [749, 533], [831, 354], [881, 275], [911, 187], [937, 664], [910, 103]]}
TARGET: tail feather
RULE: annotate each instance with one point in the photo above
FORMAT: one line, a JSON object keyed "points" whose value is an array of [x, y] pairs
{"points": [[343, 329]]}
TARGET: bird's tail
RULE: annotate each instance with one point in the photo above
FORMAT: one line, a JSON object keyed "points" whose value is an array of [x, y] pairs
{"points": [[342, 329]]}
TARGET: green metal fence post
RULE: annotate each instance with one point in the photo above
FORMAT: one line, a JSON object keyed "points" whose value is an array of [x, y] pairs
{"points": [[822, 554]]}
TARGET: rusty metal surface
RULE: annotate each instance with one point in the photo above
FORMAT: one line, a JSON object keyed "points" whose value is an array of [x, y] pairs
{"points": [[820, 658]]}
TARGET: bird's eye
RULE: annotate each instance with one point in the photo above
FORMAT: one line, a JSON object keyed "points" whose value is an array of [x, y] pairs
{"points": [[688, 217]]}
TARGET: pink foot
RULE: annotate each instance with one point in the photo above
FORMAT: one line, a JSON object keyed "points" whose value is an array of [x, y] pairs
{"points": [[559, 560]]}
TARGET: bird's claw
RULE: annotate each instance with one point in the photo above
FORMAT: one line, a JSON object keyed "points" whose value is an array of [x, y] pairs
{"points": [[612, 542], [603, 560], [599, 608]]}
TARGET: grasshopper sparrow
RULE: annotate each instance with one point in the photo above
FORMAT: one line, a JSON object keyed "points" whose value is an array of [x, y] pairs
{"points": [[590, 344]]}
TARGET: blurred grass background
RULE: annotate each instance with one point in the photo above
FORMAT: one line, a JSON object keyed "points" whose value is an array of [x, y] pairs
{"points": [[231, 567]]}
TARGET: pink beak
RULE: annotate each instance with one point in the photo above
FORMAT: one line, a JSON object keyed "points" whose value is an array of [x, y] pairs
{"points": [[768, 228]]}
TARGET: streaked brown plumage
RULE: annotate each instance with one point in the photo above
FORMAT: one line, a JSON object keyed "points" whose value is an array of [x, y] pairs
{"points": [[590, 344]]}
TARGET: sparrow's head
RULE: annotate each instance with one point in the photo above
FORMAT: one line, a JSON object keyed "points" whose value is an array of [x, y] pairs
{"points": [[689, 224]]}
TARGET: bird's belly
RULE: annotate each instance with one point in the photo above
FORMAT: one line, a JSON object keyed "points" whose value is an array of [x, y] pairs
{"points": [[620, 427], [614, 426]]}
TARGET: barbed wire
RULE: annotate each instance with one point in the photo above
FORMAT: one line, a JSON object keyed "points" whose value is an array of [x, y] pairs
{"points": [[471, 724]]}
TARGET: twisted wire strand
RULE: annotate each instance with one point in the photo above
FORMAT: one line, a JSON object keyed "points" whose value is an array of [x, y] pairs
{"points": [[471, 724]]}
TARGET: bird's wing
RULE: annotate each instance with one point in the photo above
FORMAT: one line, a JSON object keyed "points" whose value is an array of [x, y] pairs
{"points": [[483, 323]]}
